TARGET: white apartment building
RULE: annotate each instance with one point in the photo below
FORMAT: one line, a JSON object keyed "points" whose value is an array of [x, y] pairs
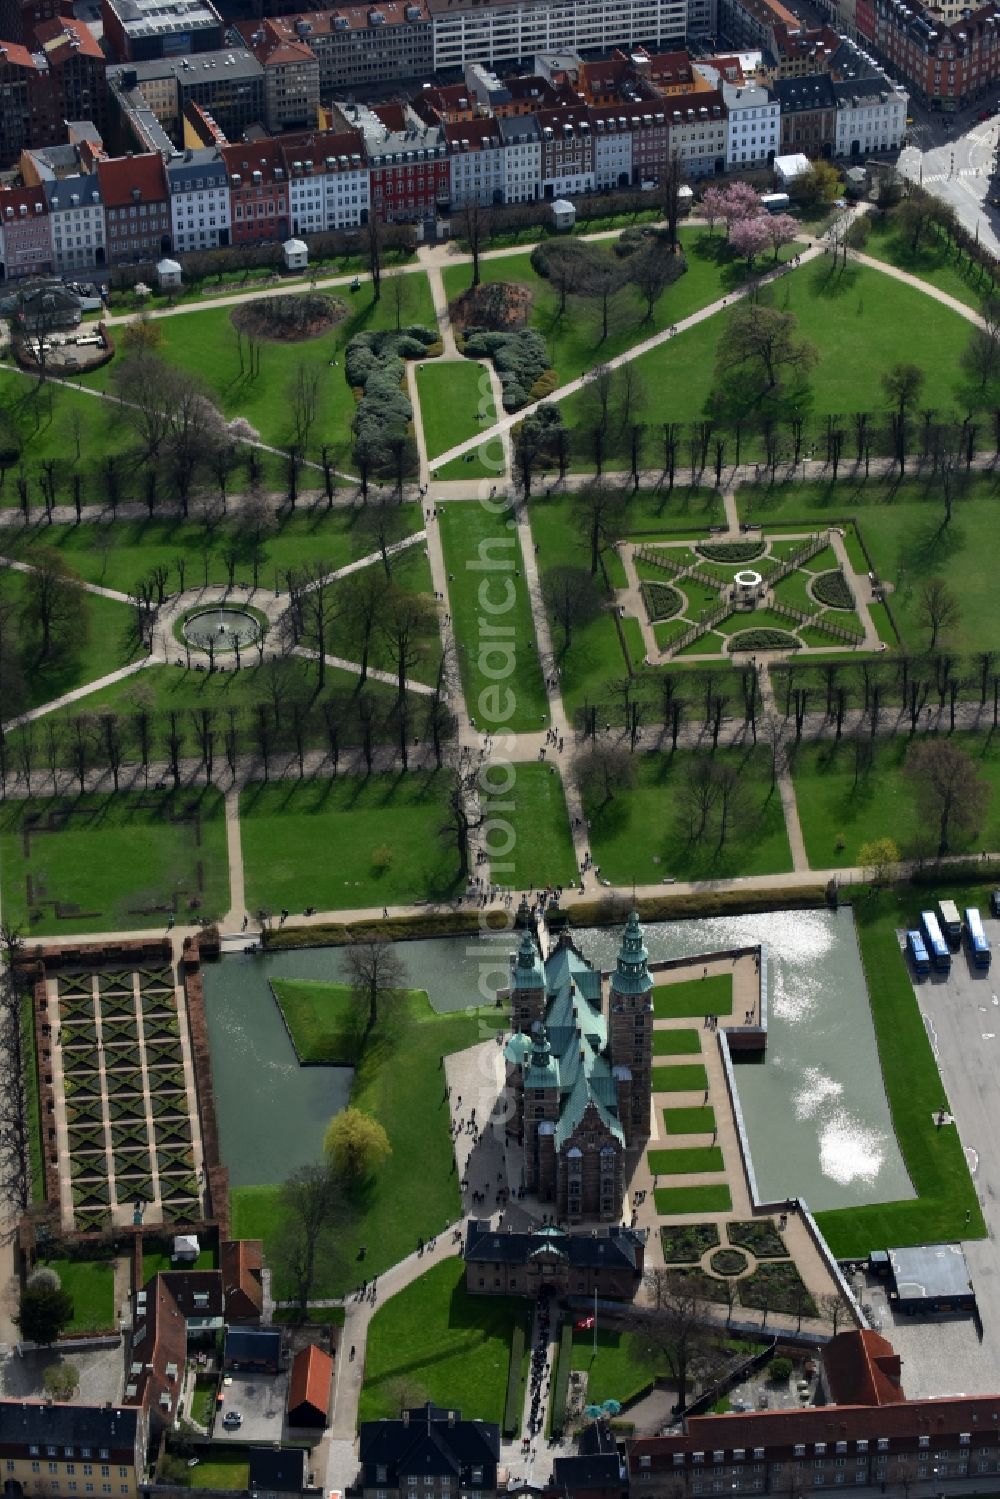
{"points": [[76, 221], [199, 200], [754, 125], [522, 158], [612, 148], [871, 116], [501, 30], [476, 152]]}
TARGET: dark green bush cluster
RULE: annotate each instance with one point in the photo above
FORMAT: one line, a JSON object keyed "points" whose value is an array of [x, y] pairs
{"points": [[730, 551], [519, 359], [763, 640], [374, 363], [662, 600], [833, 588]]}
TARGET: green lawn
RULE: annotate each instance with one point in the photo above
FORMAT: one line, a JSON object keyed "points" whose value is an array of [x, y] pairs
{"points": [[102, 645], [91, 1283], [712, 995], [672, 1202], [222, 1470], [322, 1018], [117, 554], [202, 1408], [643, 833], [233, 701], [679, 1077], [454, 1345], [156, 1261], [674, 1043], [622, 1368], [205, 344], [678, 1162], [456, 402], [694, 1121], [841, 808], [399, 1079], [859, 320], [947, 1206], [99, 863], [41, 422], [574, 337], [933, 260], [346, 843], [474, 534], [531, 817]]}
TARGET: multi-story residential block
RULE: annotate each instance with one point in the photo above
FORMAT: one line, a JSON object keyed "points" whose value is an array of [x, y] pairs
{"points": [[258, 193], [199, 200], [753, 125], [567, 151], [18, 18], [291, 76], [808, 115], [946, 63], [615, 141], [139, 29], [76, 217], [697, 133], [522, 158], [868, 1435], [27, 237], [229, 85], [362, 44], [750, 23], [476, 150], [327, 176], [58, 76], [506, 30], [69, 1449], [871, 116], [136, 207], [410, 169]]}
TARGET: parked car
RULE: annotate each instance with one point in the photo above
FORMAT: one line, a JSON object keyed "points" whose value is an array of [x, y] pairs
{"points": [[995, 903], [232, 1420]]}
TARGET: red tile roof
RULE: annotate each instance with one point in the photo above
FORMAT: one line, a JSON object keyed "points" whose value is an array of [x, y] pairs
{"points": [[122, 177], [241, 1261], [56, 38], [863, 1368], [309, 1383], [14, 55]]}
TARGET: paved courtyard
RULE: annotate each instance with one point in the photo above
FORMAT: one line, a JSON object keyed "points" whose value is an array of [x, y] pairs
{"points": [[260, 1400]]}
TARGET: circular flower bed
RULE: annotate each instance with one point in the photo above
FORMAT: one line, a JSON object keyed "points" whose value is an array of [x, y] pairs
{"points": [[728, 1262], [763, 640], [832, 589], [730, 551]]}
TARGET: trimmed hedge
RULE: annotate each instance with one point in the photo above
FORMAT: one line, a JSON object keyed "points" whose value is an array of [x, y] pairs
{"points": [[833, 589], [730, 551], [513, 1404], [763, 640], [560, 1388], [520, 359], [662, 601], [374, 363]]}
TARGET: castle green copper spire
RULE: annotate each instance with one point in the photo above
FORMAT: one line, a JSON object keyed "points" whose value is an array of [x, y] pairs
{"points": [[527, 972], [631, 975]]}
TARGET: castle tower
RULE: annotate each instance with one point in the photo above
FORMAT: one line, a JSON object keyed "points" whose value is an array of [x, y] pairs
{"points": [[527, 985], [541, 1114], [630, 1002]]}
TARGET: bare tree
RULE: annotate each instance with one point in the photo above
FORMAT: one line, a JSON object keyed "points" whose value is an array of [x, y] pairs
{"points": [[463, 814], [937, 608], [673, 1327], [376, 977], [602, 768], [950, 790], [571, 597], [302, 396], [311, 1202]]}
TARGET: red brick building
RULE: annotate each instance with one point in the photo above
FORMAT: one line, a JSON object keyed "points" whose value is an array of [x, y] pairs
{"points": [[258, 192], [136, 208]]}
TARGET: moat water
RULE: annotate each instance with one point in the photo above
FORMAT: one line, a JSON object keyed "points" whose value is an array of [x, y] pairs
{"points": [[816, 1112]]}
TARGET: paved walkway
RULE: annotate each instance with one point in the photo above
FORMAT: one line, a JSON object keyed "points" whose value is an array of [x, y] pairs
{"points": [[786, 786]]}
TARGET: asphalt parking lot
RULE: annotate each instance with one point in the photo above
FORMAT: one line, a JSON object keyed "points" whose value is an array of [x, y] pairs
{"points": [[961, 1012], [260, 1400]]}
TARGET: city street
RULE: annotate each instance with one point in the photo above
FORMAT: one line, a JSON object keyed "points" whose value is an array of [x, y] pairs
{"points": [[953, 156]]}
